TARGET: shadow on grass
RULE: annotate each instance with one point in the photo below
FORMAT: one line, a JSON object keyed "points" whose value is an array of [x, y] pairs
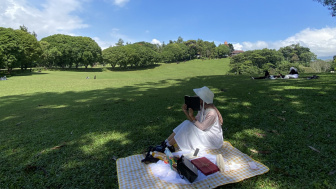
{"points": [[26, 74], [72, 139], [121, 69], [101, 69]]}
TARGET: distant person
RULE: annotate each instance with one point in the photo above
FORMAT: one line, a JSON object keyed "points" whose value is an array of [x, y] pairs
{"points": [[293, 73], [94, 77]]}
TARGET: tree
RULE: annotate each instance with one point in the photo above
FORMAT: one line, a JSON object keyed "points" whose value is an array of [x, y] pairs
{"points": [[120, 42], [320, 66], [31, 48], [231, 47], [331, 4], [55, 56], [179, 40], [18, 48], [192, 48], [256, 61], [45, 56], [222, 51], [90, 51], [307, 57], [174, 52], [60, 50], [144, 54], [208, 49], [10, 50], [297, 54], [110, 56], [333, 64], [67, 50]]}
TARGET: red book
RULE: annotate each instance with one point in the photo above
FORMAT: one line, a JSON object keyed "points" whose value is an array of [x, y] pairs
{"points": [[205, 165]]}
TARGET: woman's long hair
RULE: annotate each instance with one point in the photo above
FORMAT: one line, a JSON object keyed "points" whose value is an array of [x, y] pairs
{"points": [[220, 118]]}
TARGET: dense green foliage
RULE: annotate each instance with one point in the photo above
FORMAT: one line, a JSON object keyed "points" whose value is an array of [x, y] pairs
{"points": [[60, 130], [181, 50], [134, 55], [297, 54], [143, 53], [276, 61], [18, 48], [64, 51]]}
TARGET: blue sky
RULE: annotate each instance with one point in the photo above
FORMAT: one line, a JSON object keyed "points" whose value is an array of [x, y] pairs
{"points": [[247, 24]]}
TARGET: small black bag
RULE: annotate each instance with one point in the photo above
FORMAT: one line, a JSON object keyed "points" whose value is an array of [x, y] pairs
{"points": [[186, 169]]}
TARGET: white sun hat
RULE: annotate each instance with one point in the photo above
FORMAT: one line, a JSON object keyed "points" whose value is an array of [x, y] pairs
{"points": [[205, 94], [292, 68]]}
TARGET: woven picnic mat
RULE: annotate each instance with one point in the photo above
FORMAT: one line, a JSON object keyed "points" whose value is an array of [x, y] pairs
{"points": [[134, 174]]}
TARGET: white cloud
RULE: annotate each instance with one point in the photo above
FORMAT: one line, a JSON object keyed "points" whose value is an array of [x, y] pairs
{"points": [[103, 44], [116, 35], [120, 3], [322, 42], [155, 41], [53, 17], [256, 45], [237, 46]]}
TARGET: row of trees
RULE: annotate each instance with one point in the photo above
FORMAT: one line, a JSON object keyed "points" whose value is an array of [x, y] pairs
{"points": [[143, 53], [256, 61], [20, 48], [134, 55], [186, 50]]}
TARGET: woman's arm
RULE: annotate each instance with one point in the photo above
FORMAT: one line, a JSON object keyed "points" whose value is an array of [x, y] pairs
{"points": [[209, 120], [187, 113]]}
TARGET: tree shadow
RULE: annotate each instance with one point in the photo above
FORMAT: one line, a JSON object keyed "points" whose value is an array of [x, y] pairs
{"points": [[102, 69], [72, 139], [121, 69]]}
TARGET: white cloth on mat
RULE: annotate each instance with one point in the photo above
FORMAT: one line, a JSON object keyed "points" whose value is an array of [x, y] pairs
{"points": [[293, 76], [189, 137], [164, 172]]}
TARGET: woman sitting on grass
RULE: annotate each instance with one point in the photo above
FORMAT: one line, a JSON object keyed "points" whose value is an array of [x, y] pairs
{"points": [[293, 73], [203, 131]]}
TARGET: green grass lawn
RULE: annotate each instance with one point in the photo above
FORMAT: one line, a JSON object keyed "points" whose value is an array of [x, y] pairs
{"points": [[60, 130]]}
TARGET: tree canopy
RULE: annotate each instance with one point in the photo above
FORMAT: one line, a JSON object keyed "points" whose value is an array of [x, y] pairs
{"points": [[331, 4], [18, 48], [257, 61], [134, 55], [66, 51]]}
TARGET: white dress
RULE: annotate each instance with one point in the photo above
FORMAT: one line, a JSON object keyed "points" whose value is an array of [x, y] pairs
{"points": [[203, 134]]}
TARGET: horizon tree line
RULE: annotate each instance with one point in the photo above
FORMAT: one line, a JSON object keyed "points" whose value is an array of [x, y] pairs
{"points": [[21, 49]]}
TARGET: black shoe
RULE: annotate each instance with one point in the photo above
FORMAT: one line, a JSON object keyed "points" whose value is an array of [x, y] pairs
{"points": [[149, 158], [164, 144], [161, 147], [158, 148]]}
